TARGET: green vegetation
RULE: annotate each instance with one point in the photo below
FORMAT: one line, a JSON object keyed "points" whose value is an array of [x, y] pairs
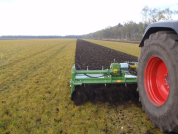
{"points": [[34, 94]]}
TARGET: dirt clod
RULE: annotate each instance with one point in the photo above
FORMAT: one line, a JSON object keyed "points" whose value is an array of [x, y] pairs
{"points": [[148, 132]]}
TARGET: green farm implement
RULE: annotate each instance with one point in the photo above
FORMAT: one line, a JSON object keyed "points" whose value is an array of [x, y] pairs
{"points": [[120, 73]]}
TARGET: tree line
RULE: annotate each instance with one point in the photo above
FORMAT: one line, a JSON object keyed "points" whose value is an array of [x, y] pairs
{"points": [[131, 30]]}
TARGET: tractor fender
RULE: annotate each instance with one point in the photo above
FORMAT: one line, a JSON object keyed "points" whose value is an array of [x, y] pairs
{"points": [[170, 25]]}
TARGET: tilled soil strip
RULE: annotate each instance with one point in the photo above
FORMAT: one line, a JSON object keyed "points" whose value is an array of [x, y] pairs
{"points": [[95, 56]]}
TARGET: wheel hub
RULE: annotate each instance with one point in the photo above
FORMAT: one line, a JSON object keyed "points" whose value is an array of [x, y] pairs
{"points": [[156, 81]]}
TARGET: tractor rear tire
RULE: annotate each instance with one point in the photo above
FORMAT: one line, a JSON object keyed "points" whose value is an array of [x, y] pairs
{"points": [[158, 80]]}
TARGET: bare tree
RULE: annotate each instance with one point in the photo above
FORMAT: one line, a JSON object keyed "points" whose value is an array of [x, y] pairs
{"points": [[153, 15], [145, 14]]}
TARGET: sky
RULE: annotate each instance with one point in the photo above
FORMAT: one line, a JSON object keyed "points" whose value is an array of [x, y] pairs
{"points": [[71, 17]]}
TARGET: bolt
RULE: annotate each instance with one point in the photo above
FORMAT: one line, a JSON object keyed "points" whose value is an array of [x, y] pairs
{"points": [[165, 75], [164, 79], [167, 87], [165, 83]]}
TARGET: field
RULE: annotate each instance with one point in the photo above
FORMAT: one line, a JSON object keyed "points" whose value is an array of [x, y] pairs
{"points": [[127, 48], [34, 93]]}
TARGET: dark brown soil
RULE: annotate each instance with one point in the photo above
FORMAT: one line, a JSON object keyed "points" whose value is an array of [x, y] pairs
{"points": [[95, 56]]}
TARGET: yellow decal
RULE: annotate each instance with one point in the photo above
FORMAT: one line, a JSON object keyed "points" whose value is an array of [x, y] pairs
{"points": [[118, 80], [115, 71]]}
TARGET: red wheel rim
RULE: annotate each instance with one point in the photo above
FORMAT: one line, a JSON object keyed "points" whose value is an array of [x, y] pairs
{"points": [[156, 81]]}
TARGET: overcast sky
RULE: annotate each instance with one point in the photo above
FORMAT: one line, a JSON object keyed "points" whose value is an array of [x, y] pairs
{"points": [[71, 17]]}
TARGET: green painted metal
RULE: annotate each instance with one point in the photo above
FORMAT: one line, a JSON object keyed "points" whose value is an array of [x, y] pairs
{"points": [[116, 74], [115, 68]]}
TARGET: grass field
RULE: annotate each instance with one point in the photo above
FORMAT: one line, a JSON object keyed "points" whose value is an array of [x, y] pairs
{"points": [[34, 93]]}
